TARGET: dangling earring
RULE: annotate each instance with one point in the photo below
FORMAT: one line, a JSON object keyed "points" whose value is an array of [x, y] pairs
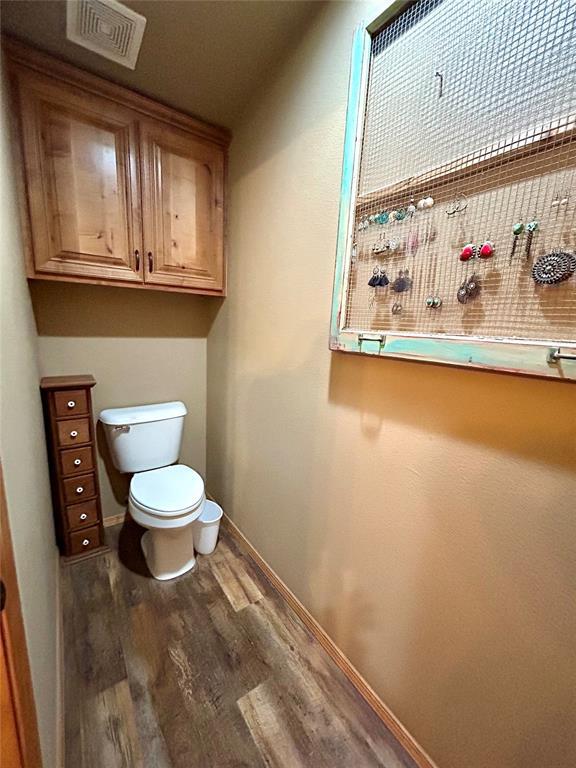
{"points": [[380, 246], [468, 290], [517, 230], [402, 282], [383, 281], [375, 279], [531, 228], [412, 243]]}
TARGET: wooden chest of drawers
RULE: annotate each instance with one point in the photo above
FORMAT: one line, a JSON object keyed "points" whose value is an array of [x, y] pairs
{"points": [[73, 470]]}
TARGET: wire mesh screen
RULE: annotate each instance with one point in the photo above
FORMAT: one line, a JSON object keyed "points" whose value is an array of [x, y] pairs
{"points": [[465, 208]]}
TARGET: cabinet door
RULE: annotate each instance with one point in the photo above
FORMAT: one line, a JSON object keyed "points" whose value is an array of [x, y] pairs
{"points": [[81, 168], [183, 209]]}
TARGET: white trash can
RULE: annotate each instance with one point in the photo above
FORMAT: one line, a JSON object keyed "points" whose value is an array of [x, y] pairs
{"points": [[205, 528]]}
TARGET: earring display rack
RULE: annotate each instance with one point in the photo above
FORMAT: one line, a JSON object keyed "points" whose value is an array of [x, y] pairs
{"points": [[457, 231]]}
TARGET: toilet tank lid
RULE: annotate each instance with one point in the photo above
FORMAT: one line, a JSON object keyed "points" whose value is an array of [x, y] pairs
{"points": [[140, 414]]}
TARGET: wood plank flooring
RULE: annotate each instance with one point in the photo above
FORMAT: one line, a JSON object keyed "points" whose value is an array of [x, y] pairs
{"points": [[212, 670]]}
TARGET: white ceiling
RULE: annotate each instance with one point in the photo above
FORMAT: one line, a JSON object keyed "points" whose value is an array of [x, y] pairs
{"points": [[205, 58]]}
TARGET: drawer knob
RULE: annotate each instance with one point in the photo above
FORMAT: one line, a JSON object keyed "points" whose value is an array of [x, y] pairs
{"points": [[74, 433], [79, 489], [77, 462], [85, 542], [83, 516], [71, 404]]}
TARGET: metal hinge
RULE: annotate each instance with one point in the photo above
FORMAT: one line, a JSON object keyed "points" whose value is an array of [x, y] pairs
{"points": [[379, 337], [555, 354]]}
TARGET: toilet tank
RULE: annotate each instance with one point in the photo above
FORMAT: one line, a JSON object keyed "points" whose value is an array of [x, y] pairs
{"points": [[142, 437]]}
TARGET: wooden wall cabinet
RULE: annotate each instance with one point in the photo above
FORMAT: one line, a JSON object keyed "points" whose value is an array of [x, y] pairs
{"points": [[117, 189]]}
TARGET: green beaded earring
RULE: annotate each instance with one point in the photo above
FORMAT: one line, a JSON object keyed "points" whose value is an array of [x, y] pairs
{"points": [[517, 230]]}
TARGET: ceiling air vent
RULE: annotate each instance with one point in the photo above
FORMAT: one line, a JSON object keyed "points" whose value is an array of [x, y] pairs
{"points": [[106, 27]]}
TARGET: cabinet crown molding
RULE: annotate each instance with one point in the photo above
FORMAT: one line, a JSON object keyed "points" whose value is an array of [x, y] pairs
{"points": [[22, 55]]}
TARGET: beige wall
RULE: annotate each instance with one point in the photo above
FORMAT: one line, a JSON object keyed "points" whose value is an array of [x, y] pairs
{"points": [[424, 515], [140, 348], [22, 449]]}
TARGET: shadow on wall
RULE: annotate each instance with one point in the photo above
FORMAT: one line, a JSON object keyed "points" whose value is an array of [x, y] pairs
{"points": [[470, 406], [75, 310]]}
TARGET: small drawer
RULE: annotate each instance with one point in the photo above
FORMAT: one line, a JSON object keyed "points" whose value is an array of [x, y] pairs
{"points": [[70, 402], [79, 488], [84, 541], [81, 515], [76, 460], [73, 431]]}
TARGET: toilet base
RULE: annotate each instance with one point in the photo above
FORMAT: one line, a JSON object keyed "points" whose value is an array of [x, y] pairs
{"points": [[169, 553]]}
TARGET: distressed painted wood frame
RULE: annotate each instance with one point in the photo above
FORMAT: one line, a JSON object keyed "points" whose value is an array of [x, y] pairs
{"points": [[537, 358]]}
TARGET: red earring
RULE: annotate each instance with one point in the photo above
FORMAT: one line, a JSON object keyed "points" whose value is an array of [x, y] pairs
{"points": [[486, 250]]}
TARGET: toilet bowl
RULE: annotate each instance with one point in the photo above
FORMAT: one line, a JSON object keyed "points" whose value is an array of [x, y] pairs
{"points": [[166, 501], [164, 497]]}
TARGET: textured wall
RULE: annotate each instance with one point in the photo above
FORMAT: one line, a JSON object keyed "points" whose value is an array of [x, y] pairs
{"points": [[23, 453], [424, 515], [140, 348]]}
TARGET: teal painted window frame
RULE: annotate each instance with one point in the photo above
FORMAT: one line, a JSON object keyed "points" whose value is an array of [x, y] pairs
{"points": [[534, 358]]}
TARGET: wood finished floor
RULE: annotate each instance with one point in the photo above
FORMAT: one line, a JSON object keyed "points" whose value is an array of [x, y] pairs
{"points": [[212, 670]]}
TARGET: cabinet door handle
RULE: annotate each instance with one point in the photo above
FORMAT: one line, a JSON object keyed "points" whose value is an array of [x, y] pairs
{"points": [[85, 542], [77, 462], [74, 433], [83, 516], [137, 255], [79, 489], [150, 262], [71, 403]]}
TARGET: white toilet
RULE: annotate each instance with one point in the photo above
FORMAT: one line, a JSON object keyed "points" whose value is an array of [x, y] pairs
{"points": [[164, 497]]}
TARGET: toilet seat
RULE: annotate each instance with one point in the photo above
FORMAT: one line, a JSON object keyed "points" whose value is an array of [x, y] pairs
{"points": [[169, 497], [168, 491]]}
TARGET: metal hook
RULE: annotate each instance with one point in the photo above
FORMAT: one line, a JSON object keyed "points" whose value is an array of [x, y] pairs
{"points": [[441, 76]]}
